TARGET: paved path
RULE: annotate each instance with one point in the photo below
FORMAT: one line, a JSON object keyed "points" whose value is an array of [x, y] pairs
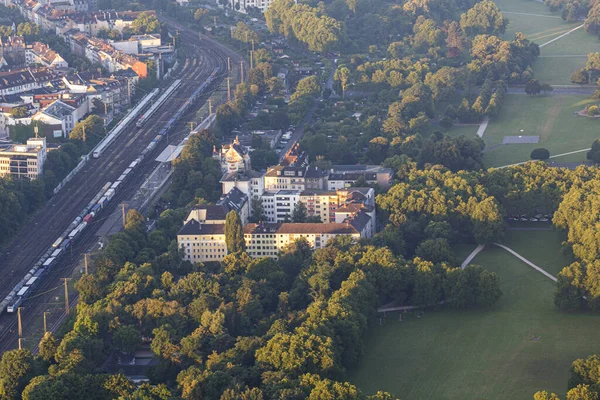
{"points": [[483, 126], [530, 15], [526, 261], [561, 36], [471, 256], [564, 56], [578, 90], [554, 156]]}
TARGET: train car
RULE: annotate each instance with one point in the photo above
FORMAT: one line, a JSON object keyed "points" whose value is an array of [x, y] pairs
{"points": [[159, 102], [109, 194], [57, 242], [24, 292], [66, 244], [48, 263], [96, 208], [32, 282], [56, 253], [122, 125], [115, 185], [88, 219], [16, 303]]}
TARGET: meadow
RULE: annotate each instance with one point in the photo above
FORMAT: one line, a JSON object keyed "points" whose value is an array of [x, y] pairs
{"points": [[521, 345]]}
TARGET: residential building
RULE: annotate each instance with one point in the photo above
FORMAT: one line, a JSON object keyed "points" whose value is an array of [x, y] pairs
{"points": [[137, 44], [279, 205], [343, 176], [245, 6], [235, 200], [24, 160], [233, 157], [206, 242], [24, 80], [249, 182], [40, 54], [60, 116], [6, 120], [12, 51]]}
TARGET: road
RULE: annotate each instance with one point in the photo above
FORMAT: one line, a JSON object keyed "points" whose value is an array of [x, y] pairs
{"points": [[53, 218]]}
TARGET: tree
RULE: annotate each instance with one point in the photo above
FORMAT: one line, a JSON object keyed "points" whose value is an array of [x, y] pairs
{"points": [[533, 87], [19, 112], [580, 76], [258, 210], [300, 212], [546, 87], [540, 154], [594, 153], [483, 18], [592, 22], [16, 368], [543, 395], [134, 220], [234, 233], [435, 250], [47, 347], [145, 23], [127, 339], [582, 392], [455, 40], [446, 122], [199, 13], [342, 74]]}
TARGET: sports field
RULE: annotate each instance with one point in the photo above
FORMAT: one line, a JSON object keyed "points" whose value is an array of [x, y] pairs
{"points": [[521, 345], [550, 117]]}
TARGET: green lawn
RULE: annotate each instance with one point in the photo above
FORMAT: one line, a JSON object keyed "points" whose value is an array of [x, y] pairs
{"points": [[550, 117], [466, 130], [485, 354], [540, 25]]}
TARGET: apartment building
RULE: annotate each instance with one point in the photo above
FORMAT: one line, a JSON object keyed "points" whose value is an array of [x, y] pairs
{"points": [[206, 242], [343, 176], [24, 161], [40, 54], [24, 80]]}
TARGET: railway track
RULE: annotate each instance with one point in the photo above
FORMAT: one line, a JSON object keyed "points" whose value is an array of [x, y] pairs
{"points": [[32, 241]]}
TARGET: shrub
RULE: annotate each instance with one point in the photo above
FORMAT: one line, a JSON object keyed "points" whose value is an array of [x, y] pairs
{"points": [[593, 111], [540, 154]]}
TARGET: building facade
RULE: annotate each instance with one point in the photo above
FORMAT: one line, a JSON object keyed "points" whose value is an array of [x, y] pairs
{"points": [[24, 161], [206, 242]]}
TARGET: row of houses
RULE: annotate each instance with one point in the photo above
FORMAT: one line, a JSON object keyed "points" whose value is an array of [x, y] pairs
{"points": [[59, 102], [15, 54], [60, 17], [79, 30]]}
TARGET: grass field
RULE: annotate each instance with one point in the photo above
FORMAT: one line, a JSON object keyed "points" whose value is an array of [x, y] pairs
{"points": [[550, 117], [466, 130], [485, 354], [540, 25]]}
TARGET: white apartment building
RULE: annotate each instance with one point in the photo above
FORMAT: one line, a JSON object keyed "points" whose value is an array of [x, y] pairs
{"points": [[24, 160], [206, 242]]}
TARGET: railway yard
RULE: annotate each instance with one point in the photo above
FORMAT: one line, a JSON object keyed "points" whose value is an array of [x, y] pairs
{"points": [[204, 68]]}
